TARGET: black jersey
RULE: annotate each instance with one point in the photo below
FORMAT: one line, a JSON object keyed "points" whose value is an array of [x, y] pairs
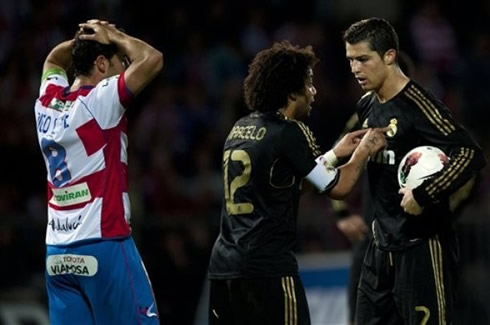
{"points": [[416, 118], [265, 158]]}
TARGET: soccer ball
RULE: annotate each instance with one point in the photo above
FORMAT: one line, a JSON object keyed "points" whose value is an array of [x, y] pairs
{"points": [[420, 164]]}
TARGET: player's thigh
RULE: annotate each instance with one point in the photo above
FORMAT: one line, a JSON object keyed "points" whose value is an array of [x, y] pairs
{"points": [[279, 300], [219, 312], [375, 304], [66, 302], [120, 292], [425, 291]]}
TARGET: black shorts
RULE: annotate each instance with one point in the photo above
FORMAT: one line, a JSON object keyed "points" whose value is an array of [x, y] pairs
{"points": [[267, 301], [413, 286]]}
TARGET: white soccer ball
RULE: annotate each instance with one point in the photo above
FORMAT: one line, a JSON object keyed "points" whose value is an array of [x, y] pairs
{"points": [[420, 164]]}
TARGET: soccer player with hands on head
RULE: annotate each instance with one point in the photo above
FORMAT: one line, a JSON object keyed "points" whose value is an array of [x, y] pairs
{"points": [[94, 273]]}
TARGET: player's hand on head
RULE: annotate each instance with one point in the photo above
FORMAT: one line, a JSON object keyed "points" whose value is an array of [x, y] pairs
{"points": [[97, 21], [99, 31], [349, 142]]}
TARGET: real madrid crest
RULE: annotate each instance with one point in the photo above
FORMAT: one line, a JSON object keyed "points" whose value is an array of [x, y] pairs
{"points": [[393, 128]]}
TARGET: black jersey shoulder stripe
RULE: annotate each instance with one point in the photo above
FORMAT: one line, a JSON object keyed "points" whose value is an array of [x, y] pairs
{"points": [[430, 111], [433, 107], [448, 173], [309, 137], [429, 116], [428, 107], [448, 177]]}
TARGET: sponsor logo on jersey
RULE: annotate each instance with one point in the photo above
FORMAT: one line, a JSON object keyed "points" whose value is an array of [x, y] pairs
{"points": [[60, 105], [393, 128], [65, 225], [83, 265], [70, 195], [386, 157]]}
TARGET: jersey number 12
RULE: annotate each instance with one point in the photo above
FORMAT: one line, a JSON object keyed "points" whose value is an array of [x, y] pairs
{"points": [[238, 181]]}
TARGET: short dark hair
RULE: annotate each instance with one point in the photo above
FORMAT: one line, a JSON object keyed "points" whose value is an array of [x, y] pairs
{"points": [[275, 73], [85, 52], [378, 32]]}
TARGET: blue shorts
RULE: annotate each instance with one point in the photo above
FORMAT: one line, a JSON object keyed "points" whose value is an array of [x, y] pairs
{"points": [[103, 282]]}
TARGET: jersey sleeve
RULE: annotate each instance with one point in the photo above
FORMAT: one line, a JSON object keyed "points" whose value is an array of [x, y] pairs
{"points": [[435, 124], [363, 107], [299, 146], [109, 101], [53, 76]]}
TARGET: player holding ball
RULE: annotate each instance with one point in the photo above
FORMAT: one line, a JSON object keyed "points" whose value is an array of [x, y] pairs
{"points": [[409, 270]]}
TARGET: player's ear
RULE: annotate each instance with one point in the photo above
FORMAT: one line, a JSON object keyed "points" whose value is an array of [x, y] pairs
{"points": [[292, 97], [101, 64], [390, 56]]}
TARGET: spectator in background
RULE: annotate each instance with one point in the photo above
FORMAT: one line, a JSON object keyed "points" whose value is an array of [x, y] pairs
{"points": [[433, 37]]}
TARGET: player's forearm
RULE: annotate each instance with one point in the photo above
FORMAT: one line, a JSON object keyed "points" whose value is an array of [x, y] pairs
{"points": [[144, 57], [60, 56], [463, 165], [350, 174]]}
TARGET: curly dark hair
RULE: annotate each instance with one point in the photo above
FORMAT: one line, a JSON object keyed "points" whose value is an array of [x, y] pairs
{"points": [[275, 73], [378, 32], [85, 52]]}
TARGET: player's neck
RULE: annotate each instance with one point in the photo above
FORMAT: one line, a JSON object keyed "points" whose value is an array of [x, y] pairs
{"points": [[287, 111], [83, 81], [393, 84]]}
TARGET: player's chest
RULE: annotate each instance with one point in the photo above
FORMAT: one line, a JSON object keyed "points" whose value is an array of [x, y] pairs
{"points": [[401, 136]]}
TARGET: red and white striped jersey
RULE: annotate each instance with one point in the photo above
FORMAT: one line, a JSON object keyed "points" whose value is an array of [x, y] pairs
{"points": [[83, 139]]}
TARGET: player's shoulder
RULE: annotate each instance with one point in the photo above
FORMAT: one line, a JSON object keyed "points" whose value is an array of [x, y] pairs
{"points": [[107, 81], [295, 131], [53, 81], [420, 96], [365, 101]]}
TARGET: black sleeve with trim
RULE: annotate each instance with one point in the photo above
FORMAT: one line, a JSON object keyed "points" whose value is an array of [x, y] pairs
{"points": [[434, 123], [299, 145]]}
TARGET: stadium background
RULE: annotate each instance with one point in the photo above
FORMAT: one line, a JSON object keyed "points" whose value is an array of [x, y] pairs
{"points": [[177, 125]]}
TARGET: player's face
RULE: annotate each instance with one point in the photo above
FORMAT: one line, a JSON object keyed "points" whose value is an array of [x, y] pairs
{"points": [[116, 65], [304, 101], [366, 65]]}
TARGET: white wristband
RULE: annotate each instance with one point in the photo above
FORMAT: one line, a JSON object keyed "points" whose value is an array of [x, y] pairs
{"points": [[328, 159]]}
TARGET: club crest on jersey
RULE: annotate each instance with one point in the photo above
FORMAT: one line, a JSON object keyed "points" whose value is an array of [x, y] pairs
{"points": [[393, 128]]}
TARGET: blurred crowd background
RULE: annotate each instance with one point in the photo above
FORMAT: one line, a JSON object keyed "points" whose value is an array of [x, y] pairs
{"points": [[177, 126]]}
